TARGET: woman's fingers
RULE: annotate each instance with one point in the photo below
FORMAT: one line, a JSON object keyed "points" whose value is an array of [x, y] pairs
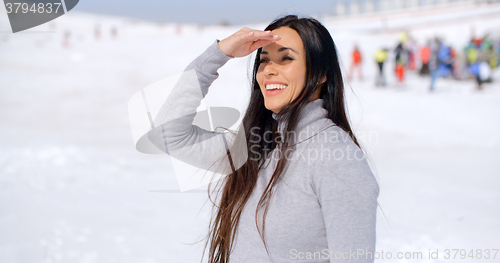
{"points": [[245, 41], [256, 39], [260, 43], [258, 35]]}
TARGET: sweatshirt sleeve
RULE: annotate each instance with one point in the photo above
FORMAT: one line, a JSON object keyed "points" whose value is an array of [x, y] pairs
{"points": [[174, 132], [347, 193]]}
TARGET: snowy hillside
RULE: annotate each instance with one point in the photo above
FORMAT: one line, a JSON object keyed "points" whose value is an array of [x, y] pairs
{"points": [[74, 189]]}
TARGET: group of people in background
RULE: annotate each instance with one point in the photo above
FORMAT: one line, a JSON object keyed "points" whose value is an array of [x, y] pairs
{"points": [[97, 34], [436, 59]]}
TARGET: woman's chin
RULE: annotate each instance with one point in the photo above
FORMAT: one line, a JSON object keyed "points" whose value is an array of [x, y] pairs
{"points": [[274, 107]]}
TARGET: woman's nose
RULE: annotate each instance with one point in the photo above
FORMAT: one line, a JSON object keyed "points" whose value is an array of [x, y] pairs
{"points": [[270, 69]]}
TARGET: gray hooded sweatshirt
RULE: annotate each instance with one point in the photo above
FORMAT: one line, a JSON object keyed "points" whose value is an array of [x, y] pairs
{"points": [[323, 209]]}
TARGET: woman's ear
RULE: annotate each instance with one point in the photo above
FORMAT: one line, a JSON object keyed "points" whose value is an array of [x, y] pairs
{"points": [[323, 80]]}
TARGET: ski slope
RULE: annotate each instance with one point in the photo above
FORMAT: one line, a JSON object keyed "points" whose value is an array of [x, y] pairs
{"points": [[74, 189]]}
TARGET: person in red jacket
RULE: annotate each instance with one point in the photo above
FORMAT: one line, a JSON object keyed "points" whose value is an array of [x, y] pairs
{"points": [[400, 71], [401, 61], [425, 55], [356, 63]]}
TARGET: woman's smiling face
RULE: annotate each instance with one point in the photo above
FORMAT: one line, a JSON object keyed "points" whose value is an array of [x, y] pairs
{"points": [[282, 70]]}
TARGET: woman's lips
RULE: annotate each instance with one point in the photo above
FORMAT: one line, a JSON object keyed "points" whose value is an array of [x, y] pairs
{"points": [[274, 92], [276, 87]]}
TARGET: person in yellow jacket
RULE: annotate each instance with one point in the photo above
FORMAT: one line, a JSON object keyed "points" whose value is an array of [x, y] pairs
{"points": [[493, 57], [380, 58]]}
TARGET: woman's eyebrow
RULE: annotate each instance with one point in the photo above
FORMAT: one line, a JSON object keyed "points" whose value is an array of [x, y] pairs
{"points": [[280, 50]]}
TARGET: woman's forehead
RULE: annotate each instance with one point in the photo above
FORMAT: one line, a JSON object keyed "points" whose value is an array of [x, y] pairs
{"points": [[290, 41]]}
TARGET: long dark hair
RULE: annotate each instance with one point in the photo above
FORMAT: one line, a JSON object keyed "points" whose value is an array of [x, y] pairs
{"points": [[261, 131]]}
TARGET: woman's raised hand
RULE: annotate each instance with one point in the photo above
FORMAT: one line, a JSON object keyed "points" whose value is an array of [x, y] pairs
{"points": [[246, 41]]}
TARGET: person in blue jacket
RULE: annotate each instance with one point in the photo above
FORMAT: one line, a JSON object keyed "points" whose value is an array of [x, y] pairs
{"points": [[441, 63]]}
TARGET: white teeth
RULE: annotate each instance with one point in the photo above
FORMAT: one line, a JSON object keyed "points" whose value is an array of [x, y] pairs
{"points": [[275, 86]]}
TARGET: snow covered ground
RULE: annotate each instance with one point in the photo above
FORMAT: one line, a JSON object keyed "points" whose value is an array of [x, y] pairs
{"points": [[74, 189]]}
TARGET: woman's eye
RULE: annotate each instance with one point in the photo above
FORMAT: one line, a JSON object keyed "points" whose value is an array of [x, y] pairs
{"points": [[284, 58]]}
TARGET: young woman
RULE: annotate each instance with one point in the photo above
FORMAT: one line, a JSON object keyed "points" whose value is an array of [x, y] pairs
{"points": [[300, 188]]}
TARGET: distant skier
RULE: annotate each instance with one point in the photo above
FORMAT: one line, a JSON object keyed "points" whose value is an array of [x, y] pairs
{"points": [[400, 52], [412, 53], [356, 63], [380, 58], [97, 32], [433, 63], [441, 64], [65, 41], [453, 64], [482, 73], [114, 32], [425, 55], [445, 57], [401, 61], [400, 71], [492, 56], [498, 55]]}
